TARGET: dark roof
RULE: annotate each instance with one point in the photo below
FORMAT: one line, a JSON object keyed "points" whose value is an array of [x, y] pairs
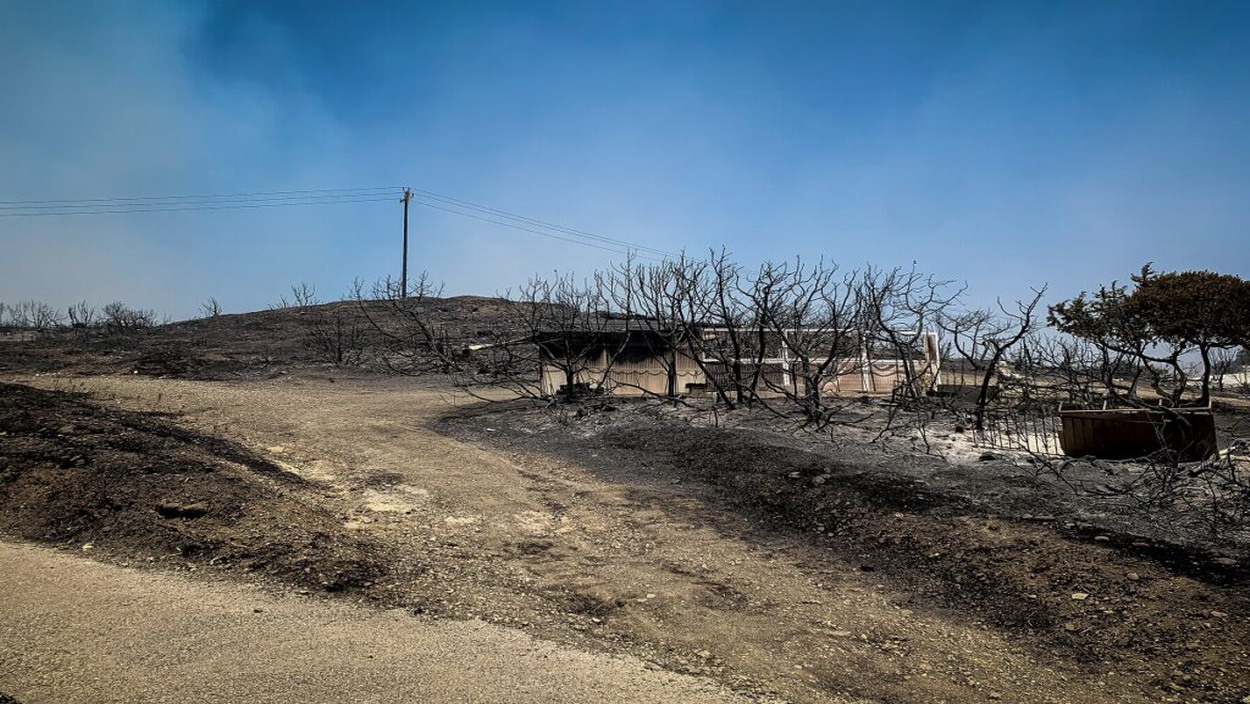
{"points": [[614, 338]]}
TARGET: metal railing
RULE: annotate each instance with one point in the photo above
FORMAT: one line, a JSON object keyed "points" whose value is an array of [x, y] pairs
{"points": [[1033, 429]]}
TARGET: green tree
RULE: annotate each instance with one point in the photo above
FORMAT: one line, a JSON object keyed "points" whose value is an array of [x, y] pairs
{"points": [[1207, 310], [1163, 318]]}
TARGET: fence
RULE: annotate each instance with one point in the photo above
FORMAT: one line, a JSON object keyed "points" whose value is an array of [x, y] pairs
{"points": [[1034, 429]]}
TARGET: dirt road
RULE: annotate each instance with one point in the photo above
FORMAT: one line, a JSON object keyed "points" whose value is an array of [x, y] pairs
{"points": [[73, 630], [645, 568]]}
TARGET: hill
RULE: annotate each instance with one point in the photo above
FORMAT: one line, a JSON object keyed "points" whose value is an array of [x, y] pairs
{"points": [[260, 344]]}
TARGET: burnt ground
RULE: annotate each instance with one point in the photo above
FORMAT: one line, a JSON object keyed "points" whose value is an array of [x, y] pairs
{"points": [[137, 486], [258, 345], [848, 574], [986, 542]]}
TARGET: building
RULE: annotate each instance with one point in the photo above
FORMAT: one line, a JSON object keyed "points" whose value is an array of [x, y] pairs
{"points": [[701, 360]]}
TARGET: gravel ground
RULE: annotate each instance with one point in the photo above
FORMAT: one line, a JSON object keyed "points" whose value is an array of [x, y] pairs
{"points": [[74, 630]]}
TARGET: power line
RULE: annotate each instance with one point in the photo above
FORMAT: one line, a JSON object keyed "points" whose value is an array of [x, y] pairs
{"points": [[539, 223], [626, 247], [125, 205], [313, 192], [174, 207]]}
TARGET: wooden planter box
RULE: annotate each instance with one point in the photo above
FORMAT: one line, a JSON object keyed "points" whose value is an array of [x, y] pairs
{"points": [[1129, 433]]}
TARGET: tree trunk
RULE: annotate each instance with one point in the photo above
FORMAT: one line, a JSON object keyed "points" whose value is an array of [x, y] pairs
{"points": [[672, 374], [983, 396], [1205, 398]]}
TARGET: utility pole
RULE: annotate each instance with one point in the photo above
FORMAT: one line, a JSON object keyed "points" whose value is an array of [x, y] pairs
{"points": [[403, 278]]}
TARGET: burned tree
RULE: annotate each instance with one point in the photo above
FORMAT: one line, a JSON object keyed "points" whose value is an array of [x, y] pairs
{"points": [[813, 318], [722, 328], [983, 338], [33, 315], [338, 335], [81, 315], [210, 308], [550, 338], [646, 301], [574, 344], [409, 338], [120, 318], [899, 307]]}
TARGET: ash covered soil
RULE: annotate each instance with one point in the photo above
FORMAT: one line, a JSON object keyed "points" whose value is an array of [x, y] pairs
{"points": [[844, 575], [137, 486], [992, 543], [258, 345]]}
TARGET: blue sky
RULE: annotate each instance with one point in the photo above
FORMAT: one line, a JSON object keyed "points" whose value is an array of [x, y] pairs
{"points": [[1001, 144]]}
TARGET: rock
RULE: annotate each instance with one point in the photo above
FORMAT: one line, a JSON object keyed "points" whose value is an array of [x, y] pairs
{"points": [[189, 511], [1218, 614], [1102, 538], [1133, 576], [987, 457], [841, 634], [87, 547], [1080, 596]]}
